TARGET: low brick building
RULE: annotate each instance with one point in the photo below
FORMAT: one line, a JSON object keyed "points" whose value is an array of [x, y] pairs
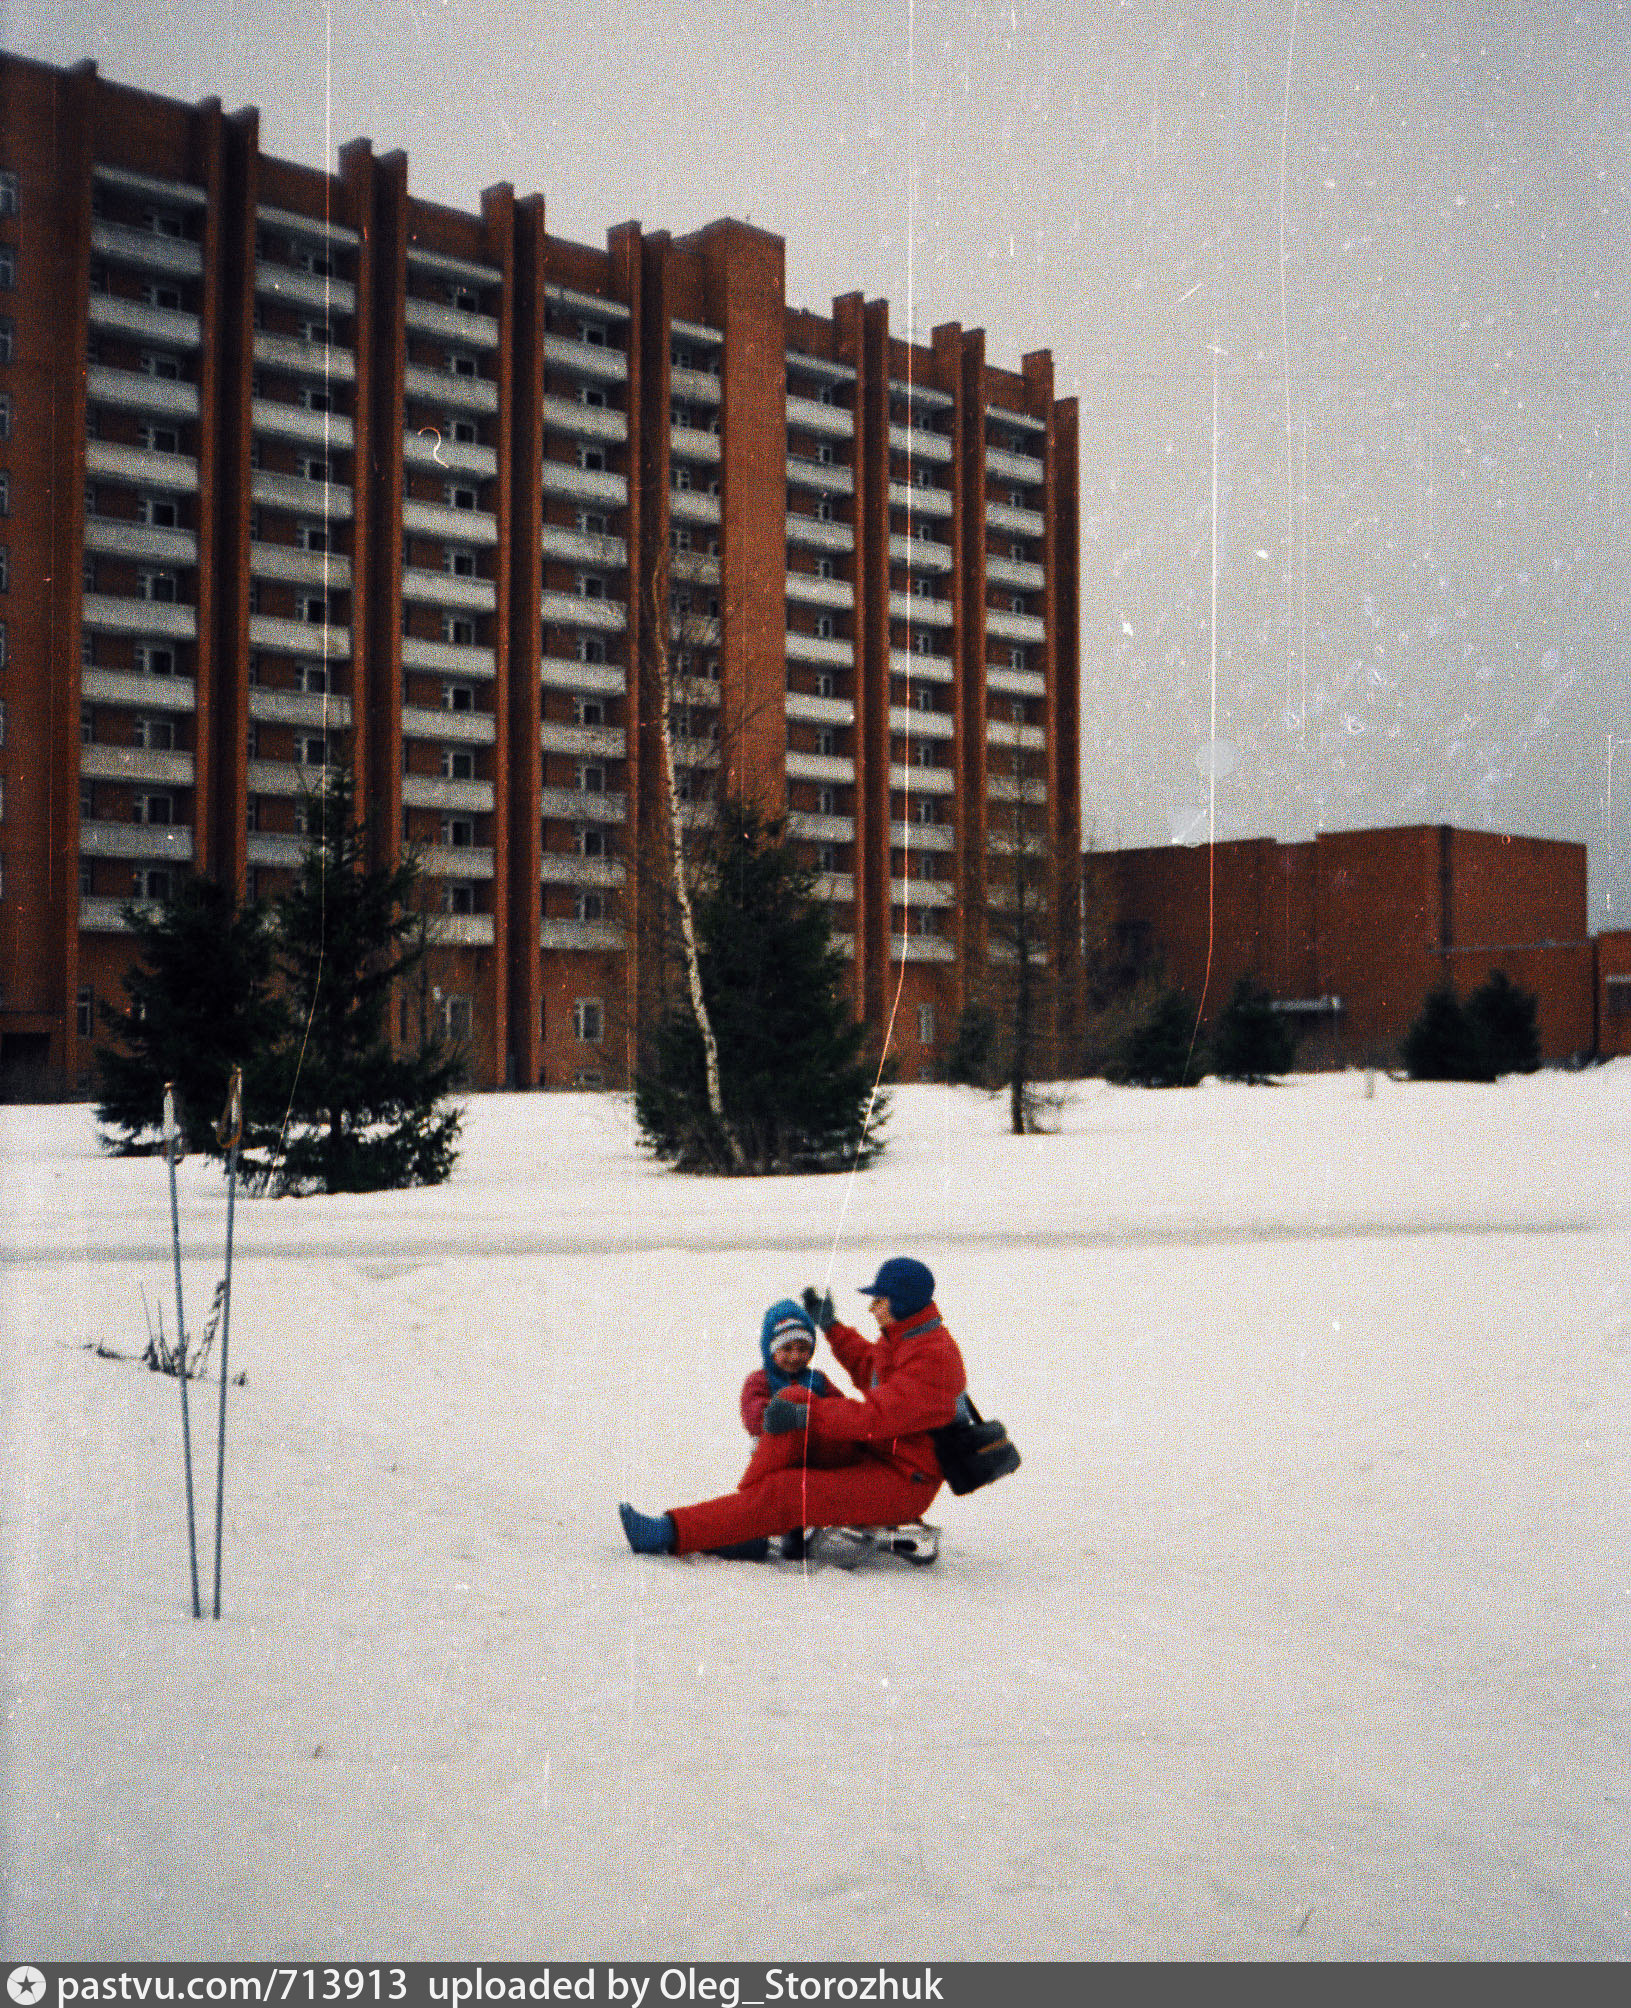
{"points": [[1349, 932]]}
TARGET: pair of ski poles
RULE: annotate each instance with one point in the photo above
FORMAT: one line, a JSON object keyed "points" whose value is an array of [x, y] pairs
{"points": [[229, 1133]]}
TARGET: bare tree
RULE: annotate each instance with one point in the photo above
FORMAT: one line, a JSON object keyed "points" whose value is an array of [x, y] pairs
{"points": [[1020, 951]]}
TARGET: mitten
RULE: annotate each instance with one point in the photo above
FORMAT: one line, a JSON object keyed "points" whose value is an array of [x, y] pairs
{"points": [[819, 1307], [783, 1416]]}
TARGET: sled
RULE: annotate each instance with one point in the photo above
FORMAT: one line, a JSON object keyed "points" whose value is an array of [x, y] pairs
{"points": [[914, 1543]]}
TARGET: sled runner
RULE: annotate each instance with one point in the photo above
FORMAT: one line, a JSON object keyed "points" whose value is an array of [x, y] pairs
{"points": [[915, 1543]]}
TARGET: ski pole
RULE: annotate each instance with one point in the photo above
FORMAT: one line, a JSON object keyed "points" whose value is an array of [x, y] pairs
{"points": [[228, 1131], [171, 1138]]}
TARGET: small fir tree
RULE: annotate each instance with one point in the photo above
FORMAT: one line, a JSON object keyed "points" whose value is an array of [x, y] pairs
{"points": [[359, 1116], [1161, 1050], [1443, 1044], [200, 1001], [794, 1084], [971, 1058], [1504, 1020], [1252, 1041]]}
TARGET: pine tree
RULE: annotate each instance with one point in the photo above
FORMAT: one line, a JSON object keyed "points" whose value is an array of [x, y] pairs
{"points": [[795, 1087], [1161, 1050], [1252, 1041], [1504, 1021], [1442, 1044], [200, 1001], [359, 1116]]}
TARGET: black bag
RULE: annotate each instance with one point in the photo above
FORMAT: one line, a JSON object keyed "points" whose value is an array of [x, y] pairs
{"points": [[972, 1451]]}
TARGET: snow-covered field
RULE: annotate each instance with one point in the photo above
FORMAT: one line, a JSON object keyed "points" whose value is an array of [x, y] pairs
{"points": [[1303, 1633]]}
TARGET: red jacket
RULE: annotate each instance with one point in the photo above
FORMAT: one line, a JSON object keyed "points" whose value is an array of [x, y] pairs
{"points": [[910, 1377], [758, 1394]]}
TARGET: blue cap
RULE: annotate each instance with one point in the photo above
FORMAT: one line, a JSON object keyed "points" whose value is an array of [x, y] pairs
{"points": [[906, 1284]]}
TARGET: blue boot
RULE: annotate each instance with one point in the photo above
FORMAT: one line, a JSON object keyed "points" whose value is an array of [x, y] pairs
{"points": [[648, 1534]]}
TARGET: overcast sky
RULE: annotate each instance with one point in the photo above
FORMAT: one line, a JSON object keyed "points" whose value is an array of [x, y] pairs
{"points": [[1358, 269]]}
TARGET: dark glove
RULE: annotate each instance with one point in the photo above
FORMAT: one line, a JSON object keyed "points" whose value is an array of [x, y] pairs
{"points": [[819, 1307], [783, 1416]]}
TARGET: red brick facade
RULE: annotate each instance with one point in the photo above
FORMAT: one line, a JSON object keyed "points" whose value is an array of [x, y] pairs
{"points": [[1356, 927], [302, 469]]}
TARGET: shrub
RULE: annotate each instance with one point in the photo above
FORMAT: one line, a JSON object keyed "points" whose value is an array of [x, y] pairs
{"points": [[1162, 1049], [1252, 1041]]}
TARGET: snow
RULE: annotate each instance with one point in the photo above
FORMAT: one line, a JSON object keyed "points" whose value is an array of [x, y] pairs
{"points": [[1303, 1632]]}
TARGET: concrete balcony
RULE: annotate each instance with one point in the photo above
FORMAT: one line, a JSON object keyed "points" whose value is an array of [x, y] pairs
{"points": [[805, 589], [922, 780], [920, 445], [144, 617], [693, 505], [136, 763], [575, 610], [1004, 788], [837, 888], [135, 390], [580, 547], [599, 679], [830, 421], [173, 473], [922, 724], [1015, 521], [920, 501], [157, 843], [468, 660], [107, 916], [444, 322], [1002, 465], [328, 571], [321, 501], [1005, 732], [269, 848], [157, 188], [111, 537], [809, 709], [311, 229], [923, 836], [141, 693], [811, 534], [813, 829], [461, 930], [421, 258], [463, 728], [316, 709], [1007, 626], [582, 805], [430, 791], [458, 526], [1018, 574], [585, 421], [164, 327], [449, 589], [689, 442], [820, 767], [584, 484], [302, 638], [292, 356], [586, 359], [283, 777], [922, 948], [329, 431], [567, 868], [426, 448], [919, 612], [460, 861], [920, 554], [694, 386], [597, 936], [1016, 682], [815, 648], [922, 893], [825, 477], [450, 392], [584, 742], [920, 668], [693, 568], [307, 290]]}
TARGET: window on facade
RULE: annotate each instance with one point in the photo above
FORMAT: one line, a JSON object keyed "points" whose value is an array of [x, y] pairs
{"points": [[460, 363], [5, 415], [592, 459], [252, 813], [458, 697], [153, 659], [826, 740], [458, 763], [313, 678], [591, 777], [588, 1020], [157, 735], [10, 192], [462, 633], [592, 335], [824, 683], [161, 439], [8, 269], [591, 648], [462, 431], [823, 627], [168, 298], [679, 477], [311, 749], [591, 524], [589, 905], [826, 801], [159, 512], [158, 587], [457, 1019], [154, 809], [252, 740], [823, 510], [592, 395], [591, 586], [589, 711], [87, 725], [458, 832], [5, 568], [925, 1024], [459, 497], [84, 1012], [8, 340], [458, 896], [591, 840], [679, 540]]}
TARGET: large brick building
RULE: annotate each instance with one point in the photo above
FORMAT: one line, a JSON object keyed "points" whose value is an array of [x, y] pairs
{"points": [[1349, 932], [300, 469]]}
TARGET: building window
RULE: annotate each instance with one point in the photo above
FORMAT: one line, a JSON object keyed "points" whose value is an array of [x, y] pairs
{"points": [[458, 896], [826, 741], [592, 395], [154, 660], [588, 1020], [591, 586], [592, 459], [458, 833], [679, 477], [156, 735], [589, 710], [826, 801], [591, 840], [591, 648], [823, 627], [10, 195], [460, 497], [313, 537], [157, 587], [8, 269], [458, 763], [150, 882], [252, 740], [460, 564], [925, 1024], [159, 512], [2, 644], [456, 1017], [591, 777], [458, 697], [589, 906], [5, 415], [311, 750], [461, 364], [84, 1012], [161, 439], [5, 569], [153, 809], [8, 340], [87, 725]]}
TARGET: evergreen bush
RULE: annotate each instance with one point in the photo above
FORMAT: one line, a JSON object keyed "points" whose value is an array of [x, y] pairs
{"points": [[1161, 1050], [1252, 1041]]}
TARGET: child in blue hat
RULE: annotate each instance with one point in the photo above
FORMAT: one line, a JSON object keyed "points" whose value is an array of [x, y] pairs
{"points": [[787, 1340]]}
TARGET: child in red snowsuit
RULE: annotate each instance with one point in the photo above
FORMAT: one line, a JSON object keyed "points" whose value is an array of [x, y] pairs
{"points": [[787, 1339], [837, 1462]]}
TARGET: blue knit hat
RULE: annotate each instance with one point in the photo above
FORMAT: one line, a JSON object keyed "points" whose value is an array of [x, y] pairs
{"points": [[783, 1321], [906, 1284]]}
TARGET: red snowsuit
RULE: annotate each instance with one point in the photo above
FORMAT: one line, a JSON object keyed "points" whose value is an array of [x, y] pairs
{"points": [[859, 1463]]}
